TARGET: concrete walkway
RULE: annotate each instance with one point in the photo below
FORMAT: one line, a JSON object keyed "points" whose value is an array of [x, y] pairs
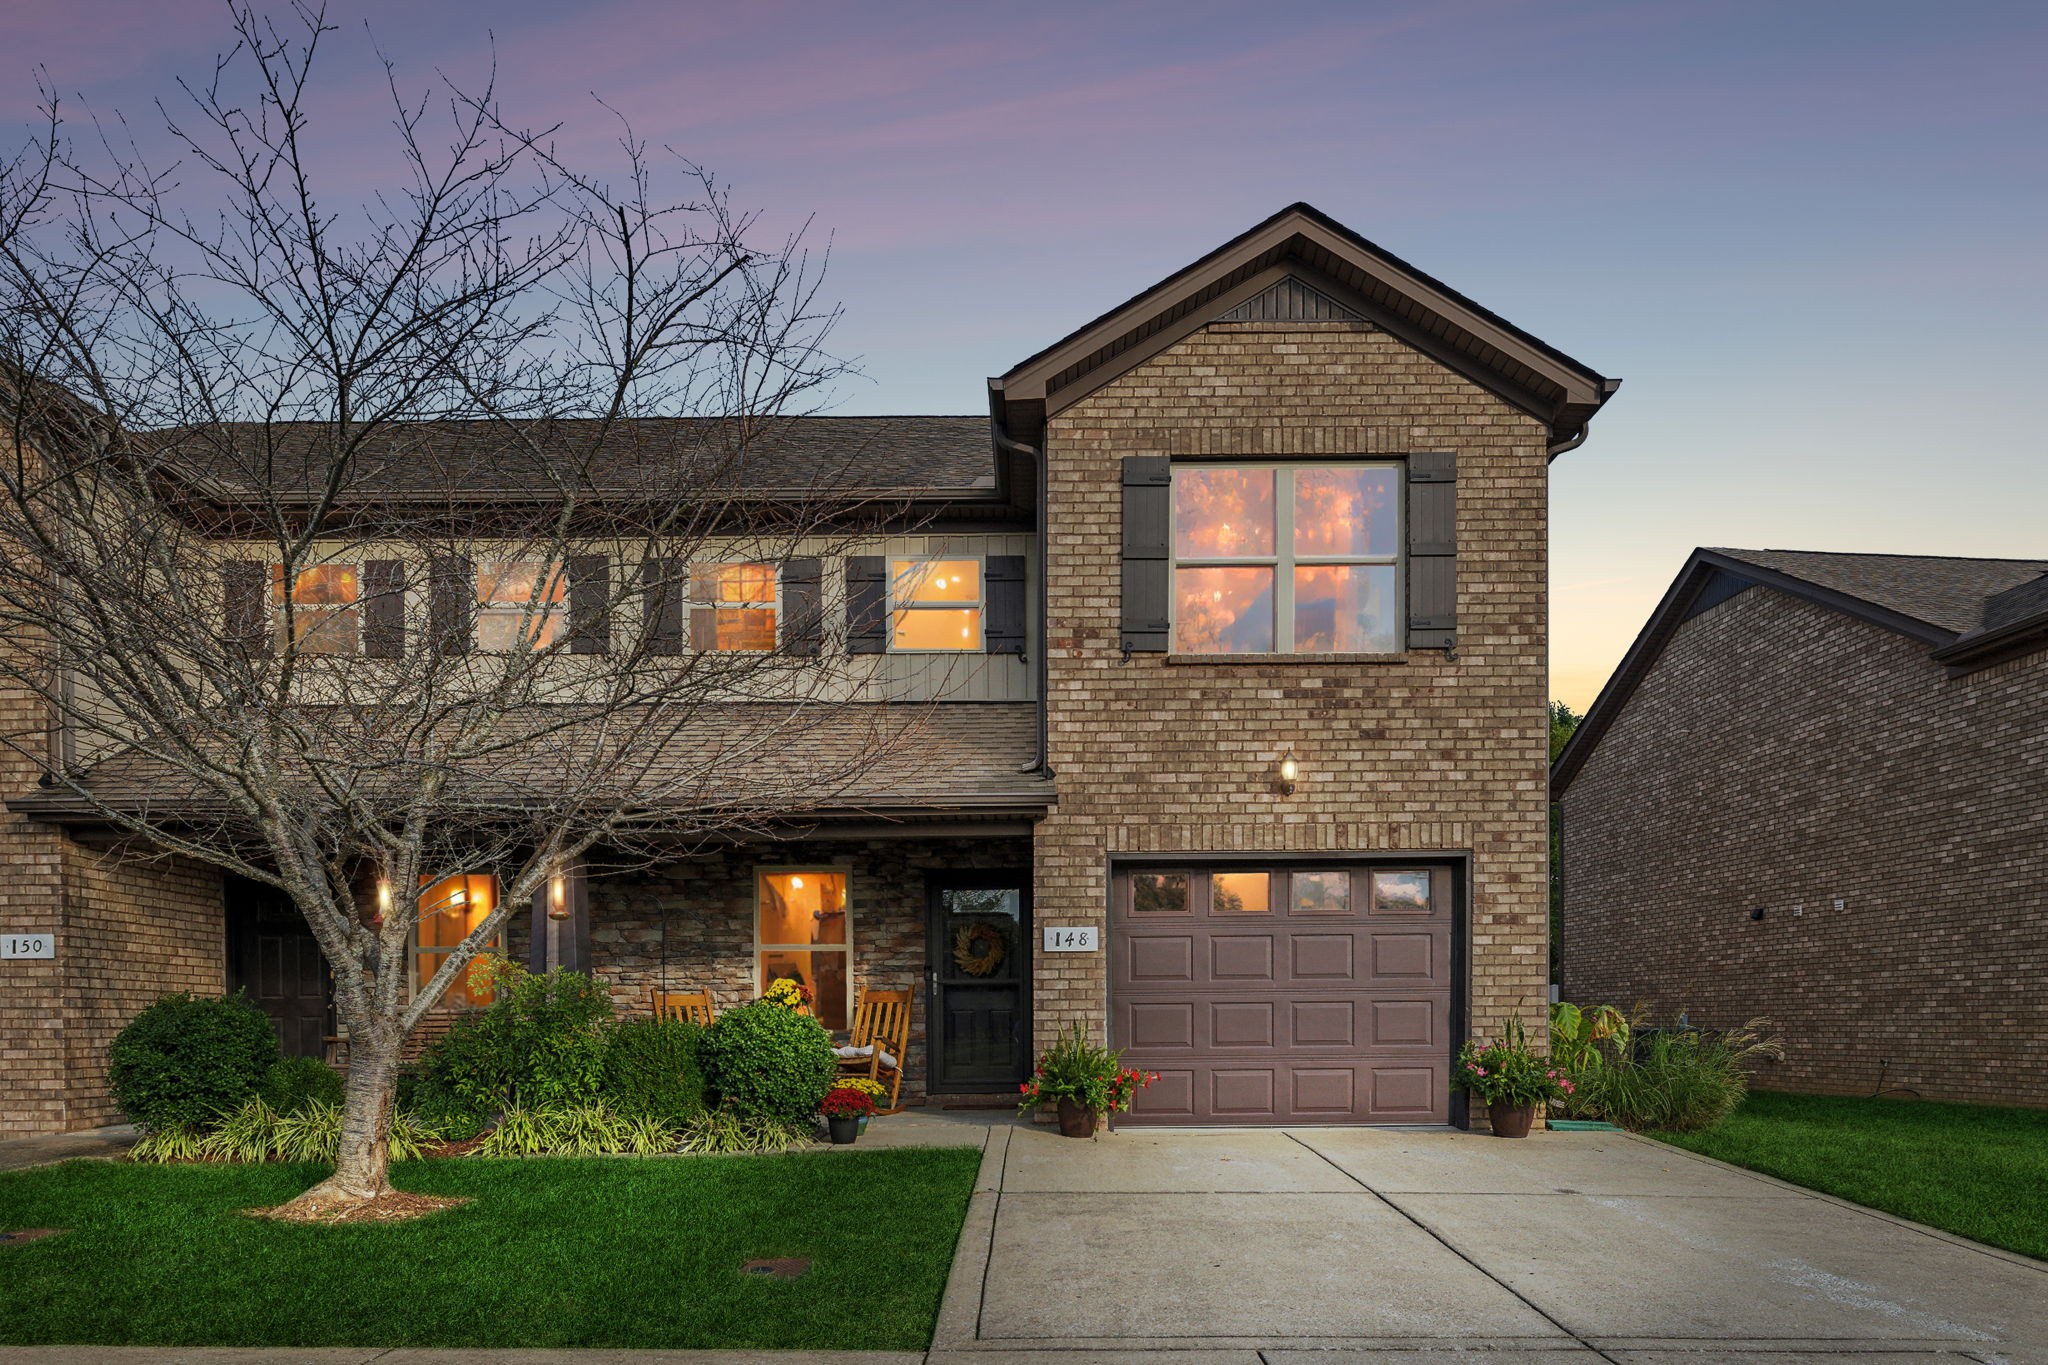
{"points": [[19, 1153]]}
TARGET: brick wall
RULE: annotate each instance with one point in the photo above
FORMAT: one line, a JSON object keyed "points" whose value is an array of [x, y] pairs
{"points": [[708, 904], [1420, 754], [1785, 756]]}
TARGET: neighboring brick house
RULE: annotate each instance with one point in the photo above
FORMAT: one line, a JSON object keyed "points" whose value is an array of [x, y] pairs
{"points": [[1255, 728], [1817, 790]]}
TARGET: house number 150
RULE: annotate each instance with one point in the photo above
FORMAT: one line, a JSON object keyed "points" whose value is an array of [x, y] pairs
{"points": [[1070, 938]]}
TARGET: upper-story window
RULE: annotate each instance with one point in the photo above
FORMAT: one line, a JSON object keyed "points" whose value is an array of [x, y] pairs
{"points": [[520, 602], [323, 608], [1286, 559], [935, 604], [736, 606]]}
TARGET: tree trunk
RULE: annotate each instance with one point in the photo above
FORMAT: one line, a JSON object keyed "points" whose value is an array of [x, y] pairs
{"points": [[362, 1164]]}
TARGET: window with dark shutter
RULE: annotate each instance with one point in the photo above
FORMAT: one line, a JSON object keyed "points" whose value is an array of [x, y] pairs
{"points": [[384, 609], [451, 603], [1003, 584], [590, 592], [1148, 520], [1432, 549], [867, 604], [803, 607], [661, 604], [245, 614]]}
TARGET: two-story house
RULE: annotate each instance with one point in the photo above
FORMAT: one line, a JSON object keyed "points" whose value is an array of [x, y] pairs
{"points": [[1228, 628]]}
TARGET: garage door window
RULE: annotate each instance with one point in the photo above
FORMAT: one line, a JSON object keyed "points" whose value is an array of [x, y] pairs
{"points": [[1400, 893], [1240, 893], [1159, 893], [1321, 893]]}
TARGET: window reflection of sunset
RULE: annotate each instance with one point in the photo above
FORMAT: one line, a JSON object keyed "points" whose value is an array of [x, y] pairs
{"points": [[1344, 512], [1224, 611], [1222, 513], [1344, 609]]}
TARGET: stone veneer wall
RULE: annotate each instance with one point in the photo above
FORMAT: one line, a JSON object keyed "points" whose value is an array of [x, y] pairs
{"points": [[1418, 754], [708, 905], [1785, 756]]}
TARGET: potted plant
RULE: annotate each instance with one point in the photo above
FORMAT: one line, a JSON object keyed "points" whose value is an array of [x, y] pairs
{"points": [[1083, 1081], [1511, 1079], [844, 1108], [874, 1090]]}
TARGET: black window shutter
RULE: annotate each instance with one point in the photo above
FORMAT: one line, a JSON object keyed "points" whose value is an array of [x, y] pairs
{"points": [[384, 609], [245, 614], [803, 607], [1148, 530], [1432, 549], [661, 605], [1002, 626], [867, 604], [451, 603], [590, 594]]}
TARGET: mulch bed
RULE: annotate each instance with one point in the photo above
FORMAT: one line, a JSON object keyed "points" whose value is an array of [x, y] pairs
{"points": [[21, 1235], [393, 1206]]}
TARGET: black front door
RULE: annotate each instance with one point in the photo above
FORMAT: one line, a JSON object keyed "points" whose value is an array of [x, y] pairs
{"points": [[273, 956], [980, 1000]]}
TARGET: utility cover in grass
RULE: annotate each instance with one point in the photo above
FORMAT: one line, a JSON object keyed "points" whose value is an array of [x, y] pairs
{"points": [[547, 1254]]}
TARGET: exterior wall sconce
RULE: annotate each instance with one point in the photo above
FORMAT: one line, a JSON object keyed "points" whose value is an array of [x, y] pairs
{"points": [[1289, 772], [558, 897], [383, 901]]}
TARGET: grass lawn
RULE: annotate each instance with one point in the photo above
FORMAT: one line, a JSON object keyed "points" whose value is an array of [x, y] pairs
{"points": [[1973, 1170], [550, 1253]]}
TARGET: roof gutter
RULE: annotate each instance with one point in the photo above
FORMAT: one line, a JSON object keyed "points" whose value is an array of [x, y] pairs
{"points": [[1041, 758]]}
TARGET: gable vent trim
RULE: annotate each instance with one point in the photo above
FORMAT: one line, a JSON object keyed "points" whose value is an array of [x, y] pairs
{"points": [[1291, 300]]}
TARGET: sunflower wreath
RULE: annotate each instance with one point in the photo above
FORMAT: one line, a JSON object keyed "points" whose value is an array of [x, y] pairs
{"points": [[978, 949]]}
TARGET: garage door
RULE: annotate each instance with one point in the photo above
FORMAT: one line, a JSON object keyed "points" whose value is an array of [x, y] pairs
{"points": [[1284, 994]]}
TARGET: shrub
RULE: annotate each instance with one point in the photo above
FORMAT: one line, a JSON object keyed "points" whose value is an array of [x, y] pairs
{"points": [[1681, 1080], [723, 1132], [295, 1082], [187, 1059], [651, 1070], [539, 1045], [766, 1062], [576, 1130]]}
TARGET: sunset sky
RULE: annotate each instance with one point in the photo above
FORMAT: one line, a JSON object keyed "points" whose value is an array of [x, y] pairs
{"points": [[1809, 237]]}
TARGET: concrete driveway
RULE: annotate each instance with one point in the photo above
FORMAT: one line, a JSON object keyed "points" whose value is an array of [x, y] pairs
{"points": [[1293, 1246]]}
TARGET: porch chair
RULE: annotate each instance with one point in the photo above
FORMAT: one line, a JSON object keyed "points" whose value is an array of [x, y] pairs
{"points": [[881, 1038], [694, 1006]]}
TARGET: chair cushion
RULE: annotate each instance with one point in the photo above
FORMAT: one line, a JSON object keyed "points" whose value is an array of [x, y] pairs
{"points": [[861, 1054]]}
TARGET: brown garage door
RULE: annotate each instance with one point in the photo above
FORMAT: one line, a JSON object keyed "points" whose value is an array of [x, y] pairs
{"points": [[1284, 994]]}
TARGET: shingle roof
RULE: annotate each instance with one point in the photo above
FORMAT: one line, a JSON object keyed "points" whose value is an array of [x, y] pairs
{"points": [[877, 758], [908, 454], [1949, 593]]}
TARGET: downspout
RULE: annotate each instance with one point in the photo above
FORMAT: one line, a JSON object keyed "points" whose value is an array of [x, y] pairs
{"points": [[1039, 760], [1572, 444]]}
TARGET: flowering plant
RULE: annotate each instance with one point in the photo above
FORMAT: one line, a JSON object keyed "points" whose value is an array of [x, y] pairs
{"points": [[873, 1089], [790, 993], [1076, 1070], [1507, 1072], [844, 1102]]}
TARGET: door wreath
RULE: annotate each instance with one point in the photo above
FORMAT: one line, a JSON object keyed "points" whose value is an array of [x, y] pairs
{"points": [[978, 949]]}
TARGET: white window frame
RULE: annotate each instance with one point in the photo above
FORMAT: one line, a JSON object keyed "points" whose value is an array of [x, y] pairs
{"points": [[774, 603], [979, 605], [1283, 561], [845, 871]]}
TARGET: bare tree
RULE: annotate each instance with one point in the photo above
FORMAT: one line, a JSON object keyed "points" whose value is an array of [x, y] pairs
{"points": [[350, 548]]}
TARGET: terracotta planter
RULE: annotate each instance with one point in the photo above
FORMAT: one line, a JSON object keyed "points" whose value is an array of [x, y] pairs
{"points": [[1510, 1120], [1075, 1121], [845, 1130]]}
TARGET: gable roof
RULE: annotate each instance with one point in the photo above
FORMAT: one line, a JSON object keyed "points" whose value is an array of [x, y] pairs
{"points": [[1969, 613], [1339, 268]]}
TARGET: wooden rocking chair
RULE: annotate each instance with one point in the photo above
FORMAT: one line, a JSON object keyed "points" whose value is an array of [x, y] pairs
{"points": [[694, 1006], [881, 1038]]}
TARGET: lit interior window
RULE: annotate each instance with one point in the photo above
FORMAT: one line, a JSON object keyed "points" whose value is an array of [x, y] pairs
{"points": [[801, 935], [323, 608], [935, 604], [520, 603], [1240, 893], [743, 607], [450, 910]]}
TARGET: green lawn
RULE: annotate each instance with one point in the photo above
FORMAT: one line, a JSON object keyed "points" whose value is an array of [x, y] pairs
{"points": [[1973, 1170], [550, 1253]]}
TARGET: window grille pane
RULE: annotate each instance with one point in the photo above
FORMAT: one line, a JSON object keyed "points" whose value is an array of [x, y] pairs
{"points": [[921, 628], [935, 580], [803, 908], [1348, 512], [1222, 513], [746, 628], [1223, 611], [1345, 609]]}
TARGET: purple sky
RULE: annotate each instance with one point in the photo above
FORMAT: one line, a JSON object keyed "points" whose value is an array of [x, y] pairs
{"points": [[1809, 236]]}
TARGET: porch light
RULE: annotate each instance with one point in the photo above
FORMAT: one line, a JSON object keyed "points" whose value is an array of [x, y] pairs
{"points": [[383, 900], [558, 897], [1289, 771], [796, 883]]}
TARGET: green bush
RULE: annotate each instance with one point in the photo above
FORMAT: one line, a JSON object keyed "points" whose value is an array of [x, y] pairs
{"points": [[295, 1082], [1675, 1080], [721, 1132], [651, 1070], [539, 1045], [577, 1130], [188, 1059], [766, 1062]]}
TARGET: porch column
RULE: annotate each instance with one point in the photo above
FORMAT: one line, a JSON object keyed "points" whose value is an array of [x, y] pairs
{"points": [[565, 942]]}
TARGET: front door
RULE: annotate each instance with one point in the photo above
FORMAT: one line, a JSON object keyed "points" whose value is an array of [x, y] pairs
{"points": [[274, 957], [979, 1005]]}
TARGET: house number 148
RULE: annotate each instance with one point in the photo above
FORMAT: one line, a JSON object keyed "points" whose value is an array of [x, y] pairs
{"points": [[1070, 938]]}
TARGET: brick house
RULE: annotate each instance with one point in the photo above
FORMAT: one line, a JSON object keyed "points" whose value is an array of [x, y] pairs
{"points": [[1241, 762], [1816, 790]]}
